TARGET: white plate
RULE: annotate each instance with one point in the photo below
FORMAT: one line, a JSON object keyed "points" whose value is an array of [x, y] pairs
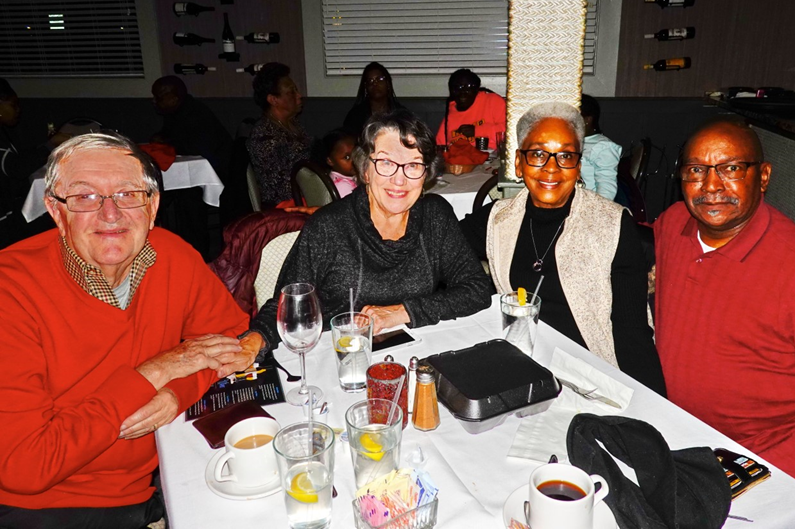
{"points": [[514, 508], [231, 490]]}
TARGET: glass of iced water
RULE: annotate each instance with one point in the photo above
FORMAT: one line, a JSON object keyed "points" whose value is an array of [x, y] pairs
{"points": [[352, 333], [520, 321], [374, 431], [306, 468]]}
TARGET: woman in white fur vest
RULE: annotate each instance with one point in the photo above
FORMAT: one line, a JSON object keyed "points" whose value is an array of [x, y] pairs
{"points": [[586, 247]]}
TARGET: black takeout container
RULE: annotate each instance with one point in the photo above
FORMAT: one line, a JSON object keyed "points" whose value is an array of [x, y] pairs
{"points": [[483, 384]]}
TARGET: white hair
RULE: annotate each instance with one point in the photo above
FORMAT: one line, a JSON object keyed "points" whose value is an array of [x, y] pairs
{"points": [[552, 109], [99, 140]]}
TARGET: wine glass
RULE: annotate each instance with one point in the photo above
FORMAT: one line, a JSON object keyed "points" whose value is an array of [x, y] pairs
{"points": [[300, 324]]}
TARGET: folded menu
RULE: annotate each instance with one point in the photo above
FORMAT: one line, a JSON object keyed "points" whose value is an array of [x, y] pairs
{"points": [[262, 385]]}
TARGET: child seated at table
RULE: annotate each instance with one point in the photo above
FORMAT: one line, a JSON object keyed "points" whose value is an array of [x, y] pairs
{"points": [[337, 148]]}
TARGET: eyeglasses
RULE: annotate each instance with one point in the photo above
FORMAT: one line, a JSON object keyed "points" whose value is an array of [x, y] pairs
{"points": [[728, 172], [465, 87], [93, 201], [539, 158], [388, 168], [376, 80]]}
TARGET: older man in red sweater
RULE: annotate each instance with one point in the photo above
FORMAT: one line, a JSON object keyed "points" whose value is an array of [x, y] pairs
{"points": [[726, 295], [105, 336]]}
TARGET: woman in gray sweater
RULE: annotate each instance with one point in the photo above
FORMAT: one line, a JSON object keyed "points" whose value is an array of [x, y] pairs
{"points": [[402, 252]]}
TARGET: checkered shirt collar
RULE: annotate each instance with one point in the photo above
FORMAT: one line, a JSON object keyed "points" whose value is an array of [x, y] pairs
{"points": [[91, 279]]}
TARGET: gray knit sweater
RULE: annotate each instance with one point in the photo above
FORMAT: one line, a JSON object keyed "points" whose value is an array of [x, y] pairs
{"points": [[431, 270]]}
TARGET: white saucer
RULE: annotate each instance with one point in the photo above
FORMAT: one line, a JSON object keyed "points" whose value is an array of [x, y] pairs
{"points": [[231, 490], [514, 508]]}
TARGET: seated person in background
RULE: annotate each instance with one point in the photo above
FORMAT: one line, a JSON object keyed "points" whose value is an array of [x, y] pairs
{"points": [[375, 96], [277, 141], [600, 156], [189, 126], [105, 338], [471, 111], [586, 247], [338, 147], [726, 294], [401, 252]]}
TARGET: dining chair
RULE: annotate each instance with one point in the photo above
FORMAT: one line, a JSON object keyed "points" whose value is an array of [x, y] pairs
{"points": [[253, 188], [273, 255], [488, 189], [631, 176], [311, 184]]}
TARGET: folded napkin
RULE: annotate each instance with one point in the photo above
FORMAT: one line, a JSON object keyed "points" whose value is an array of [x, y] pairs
{"points": [[163, 154], [541, 435], [464, 153]]}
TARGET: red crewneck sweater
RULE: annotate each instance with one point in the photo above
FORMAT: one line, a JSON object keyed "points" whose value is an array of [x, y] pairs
{"points": [[68, 364]]}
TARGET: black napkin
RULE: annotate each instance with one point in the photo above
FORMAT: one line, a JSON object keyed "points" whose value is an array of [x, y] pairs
{"points": [[683, 489]]}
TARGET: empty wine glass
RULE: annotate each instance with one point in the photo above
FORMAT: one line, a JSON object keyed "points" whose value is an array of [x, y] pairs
{"points": [[300, 323]]}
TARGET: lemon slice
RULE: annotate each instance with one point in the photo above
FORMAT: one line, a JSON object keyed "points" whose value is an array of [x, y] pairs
{"points": [[301, 488], [344, 342], [521, 294], [374, 449]]}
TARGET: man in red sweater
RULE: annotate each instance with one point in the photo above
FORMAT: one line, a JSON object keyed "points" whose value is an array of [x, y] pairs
{"points": [[726, 295], [105, 337]]}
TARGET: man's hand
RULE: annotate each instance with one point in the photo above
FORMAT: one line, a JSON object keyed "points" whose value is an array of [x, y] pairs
{"points": [[159, 411], [187, 358], [251, 344], [386, 316]]}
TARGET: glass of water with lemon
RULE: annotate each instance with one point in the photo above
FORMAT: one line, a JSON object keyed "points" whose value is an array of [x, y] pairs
{"points": [[520, 312], [352, 333], [375, 427], [305, 457]]}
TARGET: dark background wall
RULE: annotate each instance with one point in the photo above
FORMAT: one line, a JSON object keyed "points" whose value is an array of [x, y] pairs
{"points": [[737, 43]]}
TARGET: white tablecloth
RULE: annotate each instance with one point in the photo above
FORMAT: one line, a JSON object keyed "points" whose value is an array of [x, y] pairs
{"points": [[472, 471], [185, 172], [460, 190]]}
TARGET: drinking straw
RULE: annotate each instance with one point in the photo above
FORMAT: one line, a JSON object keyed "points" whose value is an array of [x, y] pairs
{"points": [[351, 297], [395, 400], [310, 426], [535, 294]]}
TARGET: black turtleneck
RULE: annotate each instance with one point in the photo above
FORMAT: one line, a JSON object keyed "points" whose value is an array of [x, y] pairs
{"points": [[633, 338]]}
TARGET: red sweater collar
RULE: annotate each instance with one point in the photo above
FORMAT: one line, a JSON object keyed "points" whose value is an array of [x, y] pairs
{"points": [[739, 247]]}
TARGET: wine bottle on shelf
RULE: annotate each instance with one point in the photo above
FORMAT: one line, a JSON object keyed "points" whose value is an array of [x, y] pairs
{"points": [[190, 8], [190, 39], [260, 38], [673, 34], [228, 39], [672, 3], [192, 69], [663, 65], [251, 68]]}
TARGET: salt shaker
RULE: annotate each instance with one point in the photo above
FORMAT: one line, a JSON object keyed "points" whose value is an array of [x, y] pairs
{"points": [[425, 415], [412, 381]]}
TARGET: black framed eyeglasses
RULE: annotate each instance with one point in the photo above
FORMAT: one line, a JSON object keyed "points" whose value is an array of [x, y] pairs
{"points": [[387, 168], [465, 87], [728, 172], [88, 202], [540, 157]]}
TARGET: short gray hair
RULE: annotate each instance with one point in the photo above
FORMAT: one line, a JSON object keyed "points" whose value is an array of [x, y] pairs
{"points": [[552, 109], [99, 140], [406, 125]]}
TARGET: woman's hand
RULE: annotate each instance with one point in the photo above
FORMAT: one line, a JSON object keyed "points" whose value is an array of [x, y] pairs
{"points": [[387, 316]]}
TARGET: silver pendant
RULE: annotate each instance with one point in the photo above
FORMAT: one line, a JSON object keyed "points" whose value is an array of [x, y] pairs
{"points": [[537, 265]]}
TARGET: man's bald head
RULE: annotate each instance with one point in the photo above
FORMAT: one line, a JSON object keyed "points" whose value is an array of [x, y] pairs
{"points": [[169, 92], [732, 127]]}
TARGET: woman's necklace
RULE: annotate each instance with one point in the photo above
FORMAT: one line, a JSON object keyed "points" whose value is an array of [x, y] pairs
{"points": [[540, 260]]}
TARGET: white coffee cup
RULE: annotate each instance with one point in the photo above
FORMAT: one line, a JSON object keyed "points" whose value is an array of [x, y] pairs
{"points": [[249, 467], [550, 484]]}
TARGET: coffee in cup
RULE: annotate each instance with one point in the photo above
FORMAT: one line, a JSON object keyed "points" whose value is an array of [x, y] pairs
{"points": [[249, 456], [564, 496]]}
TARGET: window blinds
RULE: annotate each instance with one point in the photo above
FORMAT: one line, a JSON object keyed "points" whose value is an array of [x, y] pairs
{"points": [[591, 30], [69, 38], [416, 36]]}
